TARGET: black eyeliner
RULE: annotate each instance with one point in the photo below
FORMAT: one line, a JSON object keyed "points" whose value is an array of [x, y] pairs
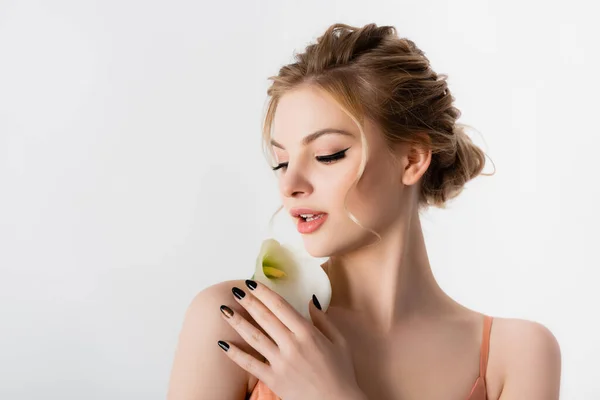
{"points": [[335, 156], [279, 166], [332, 157]]}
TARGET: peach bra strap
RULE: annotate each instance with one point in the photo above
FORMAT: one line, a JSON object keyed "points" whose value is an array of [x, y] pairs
{"points": [[485, 345]]}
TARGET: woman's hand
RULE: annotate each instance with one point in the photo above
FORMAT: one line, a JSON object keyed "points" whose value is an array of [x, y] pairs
{"points": [[305, 361]]}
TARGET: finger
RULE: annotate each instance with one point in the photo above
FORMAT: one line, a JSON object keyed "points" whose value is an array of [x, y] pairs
{"points": [[324, 324], [264, 317], [251, 334], [257, 368], [279, 307]]}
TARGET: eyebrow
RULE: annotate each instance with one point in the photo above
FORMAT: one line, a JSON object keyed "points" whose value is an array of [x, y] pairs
{"points": [[313, 136]]}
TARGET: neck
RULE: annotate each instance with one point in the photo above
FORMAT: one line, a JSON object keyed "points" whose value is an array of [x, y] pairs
{"points": [[390, 281]]}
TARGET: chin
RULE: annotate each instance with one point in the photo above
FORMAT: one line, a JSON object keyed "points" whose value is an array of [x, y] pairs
{"points": [[317, 247], [328, 244]]}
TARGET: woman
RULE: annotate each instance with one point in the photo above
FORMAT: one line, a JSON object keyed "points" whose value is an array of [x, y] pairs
{"points": [[364, 136]]}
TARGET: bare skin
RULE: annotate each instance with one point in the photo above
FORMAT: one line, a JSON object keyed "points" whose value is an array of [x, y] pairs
{"points": [[408, 338]]}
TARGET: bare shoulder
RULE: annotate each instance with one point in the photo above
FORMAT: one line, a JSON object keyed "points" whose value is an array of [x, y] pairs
{"points": [[521, 339], [527, 356], [199, 364]]}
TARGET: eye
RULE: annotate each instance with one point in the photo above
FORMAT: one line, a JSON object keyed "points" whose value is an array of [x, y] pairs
{"points": [[332, 157], [281, 165], [323, 159]]}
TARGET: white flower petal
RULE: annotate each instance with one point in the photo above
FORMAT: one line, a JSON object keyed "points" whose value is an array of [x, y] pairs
{"points": [[294, 275]]}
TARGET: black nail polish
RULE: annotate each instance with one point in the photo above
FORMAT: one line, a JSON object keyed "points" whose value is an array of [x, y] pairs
{"points": [[228, 312], [223, 345], [316, 302], [251, 284], [237, 292]]}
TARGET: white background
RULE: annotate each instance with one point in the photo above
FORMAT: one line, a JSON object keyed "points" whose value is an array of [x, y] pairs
{"points": [[132, 177]]}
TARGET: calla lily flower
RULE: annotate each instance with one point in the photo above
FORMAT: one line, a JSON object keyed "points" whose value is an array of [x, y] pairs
{"points": [[293, 275]]}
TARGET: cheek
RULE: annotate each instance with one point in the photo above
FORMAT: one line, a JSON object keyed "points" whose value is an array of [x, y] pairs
{"points": [[376, 196], [338, 189]]}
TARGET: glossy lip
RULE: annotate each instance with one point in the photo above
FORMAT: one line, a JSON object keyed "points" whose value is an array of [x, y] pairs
{"points": [[295, 212], [310, 227]]}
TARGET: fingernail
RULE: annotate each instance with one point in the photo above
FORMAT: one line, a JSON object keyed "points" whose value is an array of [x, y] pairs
{"points": [[237, 292], [228, 312], [223, 345], [316, 302], [251, 284]]}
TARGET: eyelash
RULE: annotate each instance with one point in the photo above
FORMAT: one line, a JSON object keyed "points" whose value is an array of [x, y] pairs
{"points": [[324, 159]]}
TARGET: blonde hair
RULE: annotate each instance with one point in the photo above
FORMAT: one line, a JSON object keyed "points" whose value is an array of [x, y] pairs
{"points": [[372, 73]]}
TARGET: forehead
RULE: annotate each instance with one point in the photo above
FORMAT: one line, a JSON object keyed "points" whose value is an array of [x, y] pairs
{"points": [[304, 110]]}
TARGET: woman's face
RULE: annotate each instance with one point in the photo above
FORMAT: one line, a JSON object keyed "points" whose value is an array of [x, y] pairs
{"points": [[307, 180]]}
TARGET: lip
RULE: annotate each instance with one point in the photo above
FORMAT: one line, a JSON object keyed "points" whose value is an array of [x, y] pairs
{"points": [[306, 227], [303, 226], [295, 212]]}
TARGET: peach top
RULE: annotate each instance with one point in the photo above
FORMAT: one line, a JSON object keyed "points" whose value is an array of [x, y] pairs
{"points": [[478, 392]]}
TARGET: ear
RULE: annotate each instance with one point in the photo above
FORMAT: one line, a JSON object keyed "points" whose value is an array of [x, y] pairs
{"points": [[416, 160]]}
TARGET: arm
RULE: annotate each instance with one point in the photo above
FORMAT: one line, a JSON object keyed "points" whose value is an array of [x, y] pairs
{"points": [[200, 369], [533, 364]]}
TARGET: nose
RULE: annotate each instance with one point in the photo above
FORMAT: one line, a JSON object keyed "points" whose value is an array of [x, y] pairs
{"points": [[294, 183]]}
